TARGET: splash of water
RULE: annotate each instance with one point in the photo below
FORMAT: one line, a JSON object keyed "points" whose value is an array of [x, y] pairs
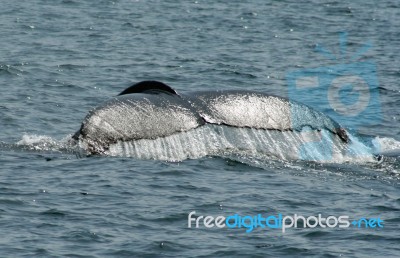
{"points": [[42, 143], [320, 146], [251, 146]]}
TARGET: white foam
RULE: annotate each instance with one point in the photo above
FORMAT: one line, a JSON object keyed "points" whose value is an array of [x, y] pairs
{"points": [[39, 142], [45, 143], [385, 144]]}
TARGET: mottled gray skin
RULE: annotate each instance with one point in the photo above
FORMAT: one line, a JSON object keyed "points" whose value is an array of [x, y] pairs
{"points": [[136, 116], [258, 110], [152, 113]]}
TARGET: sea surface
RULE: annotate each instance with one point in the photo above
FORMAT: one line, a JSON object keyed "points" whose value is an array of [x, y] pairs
{"points": [[61, 58]]}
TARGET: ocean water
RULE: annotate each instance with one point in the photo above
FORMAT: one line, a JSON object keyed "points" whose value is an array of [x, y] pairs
{"points": [[59, 59]]}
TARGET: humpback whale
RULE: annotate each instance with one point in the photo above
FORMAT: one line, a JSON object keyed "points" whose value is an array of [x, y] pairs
{"points": [[152, 109]]}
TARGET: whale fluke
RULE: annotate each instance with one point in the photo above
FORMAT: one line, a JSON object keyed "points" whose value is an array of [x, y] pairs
{"points": [[149, 87]]}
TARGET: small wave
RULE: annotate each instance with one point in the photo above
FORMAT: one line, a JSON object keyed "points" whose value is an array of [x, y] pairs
{"points": [[11, 70]]}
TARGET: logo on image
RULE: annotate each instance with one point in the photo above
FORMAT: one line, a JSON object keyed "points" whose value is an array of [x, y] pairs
{"points": [[347, 91]]}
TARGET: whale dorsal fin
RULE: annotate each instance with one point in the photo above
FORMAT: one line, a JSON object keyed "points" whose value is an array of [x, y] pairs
{"points": [[151, 87]]}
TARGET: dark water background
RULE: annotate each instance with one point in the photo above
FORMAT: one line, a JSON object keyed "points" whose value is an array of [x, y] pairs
{"points": [[58, 59]]}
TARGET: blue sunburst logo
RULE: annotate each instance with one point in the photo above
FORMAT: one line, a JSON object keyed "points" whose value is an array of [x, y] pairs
{"points": [[347, 91]]}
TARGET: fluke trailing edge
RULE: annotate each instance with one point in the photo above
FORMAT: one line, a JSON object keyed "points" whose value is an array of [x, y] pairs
{"points": [[151, 109]]}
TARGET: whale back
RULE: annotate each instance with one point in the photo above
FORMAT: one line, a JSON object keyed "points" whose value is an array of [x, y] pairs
{"points": [[150, 110], [136, 116], [260, 111]]}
